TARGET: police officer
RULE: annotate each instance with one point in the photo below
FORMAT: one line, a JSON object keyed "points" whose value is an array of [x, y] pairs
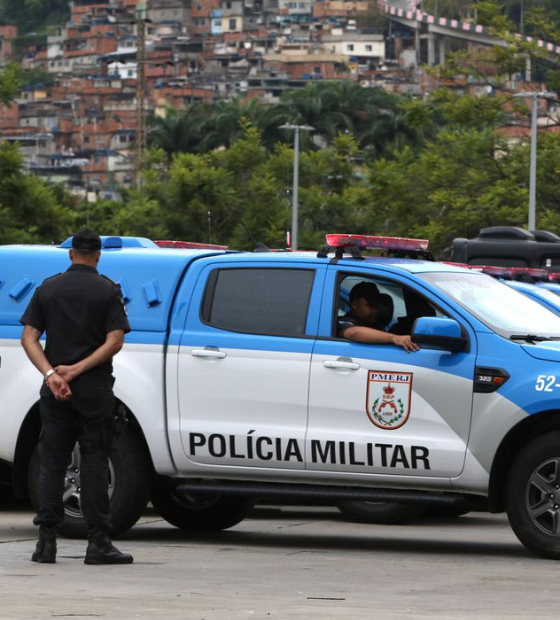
{"points": [[83, 315], [365, 321]]}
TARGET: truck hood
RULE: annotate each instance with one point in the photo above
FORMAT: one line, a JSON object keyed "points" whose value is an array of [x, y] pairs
{"points": [[549, 351]]}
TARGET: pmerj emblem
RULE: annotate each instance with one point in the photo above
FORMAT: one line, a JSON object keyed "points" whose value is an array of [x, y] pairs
{"points": [[388, 398]]}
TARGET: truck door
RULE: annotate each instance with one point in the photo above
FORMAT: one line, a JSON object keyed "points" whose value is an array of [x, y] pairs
{"points": [[244, 361], [376, 409]]}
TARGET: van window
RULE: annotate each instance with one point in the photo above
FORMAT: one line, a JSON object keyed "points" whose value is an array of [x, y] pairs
{"points": [[263, 301]]}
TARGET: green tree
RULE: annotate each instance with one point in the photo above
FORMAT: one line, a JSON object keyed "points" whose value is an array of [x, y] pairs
{"points": [[33, 14], [178, 132], [462, 181], [224, 125], [31, 211], [319, 105], [10, 83]]}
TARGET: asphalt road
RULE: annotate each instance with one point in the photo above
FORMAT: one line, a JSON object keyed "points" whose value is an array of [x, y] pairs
{"points": [[282, 563]]}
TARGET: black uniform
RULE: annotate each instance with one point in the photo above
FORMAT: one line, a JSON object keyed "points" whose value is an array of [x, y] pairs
{"points": [[77, 309]]}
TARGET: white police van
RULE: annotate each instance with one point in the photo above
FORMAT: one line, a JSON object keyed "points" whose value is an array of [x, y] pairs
{"points": [[237, 386]]}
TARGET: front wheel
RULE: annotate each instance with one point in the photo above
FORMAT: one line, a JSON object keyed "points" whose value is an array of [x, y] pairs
{"points": [[200, 513], [533, 496], [130, 486]]}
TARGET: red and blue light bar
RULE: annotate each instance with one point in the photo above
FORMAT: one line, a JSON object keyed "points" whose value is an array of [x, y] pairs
{"points": [[510, 273], [492, 270], [371, 242]]}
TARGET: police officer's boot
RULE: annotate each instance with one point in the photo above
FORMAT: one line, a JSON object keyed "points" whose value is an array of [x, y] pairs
{"points": [[100, 550], [45, 552]]}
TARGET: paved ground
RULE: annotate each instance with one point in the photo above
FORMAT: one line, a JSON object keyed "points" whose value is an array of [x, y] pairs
{"points": [[285, 563]]}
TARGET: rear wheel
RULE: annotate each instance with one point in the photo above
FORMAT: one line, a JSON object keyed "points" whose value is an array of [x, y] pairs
{"points": [[130, 486], [533, 496], [390, 513], [200, 513]]}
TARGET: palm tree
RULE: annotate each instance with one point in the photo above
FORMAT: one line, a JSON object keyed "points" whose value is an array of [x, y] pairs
{"points": [[223, 126], [318, 105], [178, 132], [387, 130]]}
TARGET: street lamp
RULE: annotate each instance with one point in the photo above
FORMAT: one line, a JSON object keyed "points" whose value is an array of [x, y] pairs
{"points": [[533, 95], [297, 129]]}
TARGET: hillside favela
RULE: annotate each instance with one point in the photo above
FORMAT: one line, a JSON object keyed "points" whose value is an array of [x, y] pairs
{"points": [[97, 84]]}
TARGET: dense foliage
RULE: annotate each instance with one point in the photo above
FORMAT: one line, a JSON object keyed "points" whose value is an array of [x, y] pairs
{"points": [[29, 15], [377, 120]]}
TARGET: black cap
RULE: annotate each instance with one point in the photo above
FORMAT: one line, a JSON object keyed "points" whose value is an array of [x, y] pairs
{"points": [[87, 240], [365, 290]]}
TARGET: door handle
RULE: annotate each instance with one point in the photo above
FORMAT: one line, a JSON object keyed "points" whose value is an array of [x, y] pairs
{"points": [[208, 353], [339, 364]]}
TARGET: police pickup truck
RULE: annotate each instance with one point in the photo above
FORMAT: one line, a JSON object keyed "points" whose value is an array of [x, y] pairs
{"points": [[236, 386]]}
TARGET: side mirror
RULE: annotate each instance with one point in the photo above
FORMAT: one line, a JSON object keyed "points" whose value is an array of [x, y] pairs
{"points": [[439, 333]]}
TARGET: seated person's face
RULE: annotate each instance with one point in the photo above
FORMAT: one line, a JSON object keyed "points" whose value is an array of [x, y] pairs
{"points": [[364, 310]]}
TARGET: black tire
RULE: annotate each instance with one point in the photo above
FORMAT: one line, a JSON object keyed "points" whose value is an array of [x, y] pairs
{"points": [[130, 486], [533, 496], [6, 494], [200, 513], [388, 513]]}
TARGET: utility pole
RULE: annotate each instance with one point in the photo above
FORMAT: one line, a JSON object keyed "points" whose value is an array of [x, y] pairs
{"points": [[533, 96], [140, 93], [295, 204]]}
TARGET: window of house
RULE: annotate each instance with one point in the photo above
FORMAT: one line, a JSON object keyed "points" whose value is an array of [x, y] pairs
{"points": [[264, 301], [232, 23], [350, 47], [369, 48]]}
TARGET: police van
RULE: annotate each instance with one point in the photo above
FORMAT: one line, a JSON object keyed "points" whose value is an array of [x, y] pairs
{"points": [[236, 386], [509, 246]]}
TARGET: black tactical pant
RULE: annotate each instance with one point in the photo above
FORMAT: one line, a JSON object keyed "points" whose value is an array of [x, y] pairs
{"points": [[88, 422]]}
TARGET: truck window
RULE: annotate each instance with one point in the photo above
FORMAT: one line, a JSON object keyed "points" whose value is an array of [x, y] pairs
{"points": [[263, 301], [406, 305]]}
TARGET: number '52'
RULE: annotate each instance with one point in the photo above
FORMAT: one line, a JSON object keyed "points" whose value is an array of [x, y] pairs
{"points": [[546, 383]]}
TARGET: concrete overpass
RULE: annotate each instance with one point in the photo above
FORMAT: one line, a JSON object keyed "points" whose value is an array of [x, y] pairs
{"points": [[405, 12]]}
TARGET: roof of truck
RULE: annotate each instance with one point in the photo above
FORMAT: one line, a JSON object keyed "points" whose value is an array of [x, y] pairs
{"points": [[149, 275], [148, 278]]}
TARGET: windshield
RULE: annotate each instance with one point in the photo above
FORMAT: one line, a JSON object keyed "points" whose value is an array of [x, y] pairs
{"points": [[549, 296], [499, 307]]}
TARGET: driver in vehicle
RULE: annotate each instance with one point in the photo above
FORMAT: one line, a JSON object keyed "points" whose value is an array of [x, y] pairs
{"points": [[370, 313]]}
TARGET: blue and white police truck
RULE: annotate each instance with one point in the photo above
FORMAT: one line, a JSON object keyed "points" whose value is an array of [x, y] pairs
{"points": [[236, 386]]}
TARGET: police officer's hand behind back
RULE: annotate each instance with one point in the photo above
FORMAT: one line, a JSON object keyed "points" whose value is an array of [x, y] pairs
{"points": [[113, 344], [59, 387], [68, 373]]}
